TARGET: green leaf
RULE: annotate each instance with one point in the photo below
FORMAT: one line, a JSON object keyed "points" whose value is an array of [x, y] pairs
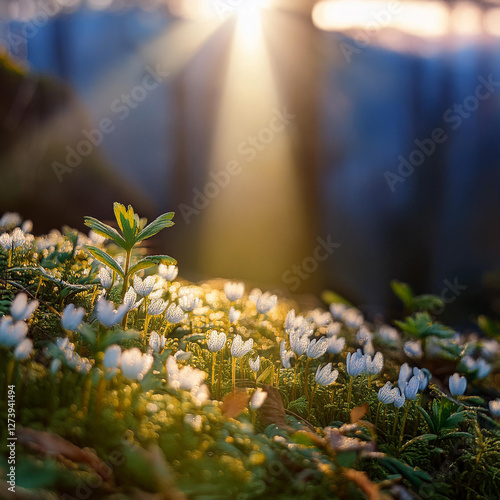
{"points": [[106, 259], [151, 261], [104, 230], [419, 439], [420, 325], [427, 418], [403, 292], [118, 337], [162, 222], [331, 297], [264, 375], [457, 434], [88, 333], [127, 220], [414, 475], [346, 458], [427, 302], [490, 327]]}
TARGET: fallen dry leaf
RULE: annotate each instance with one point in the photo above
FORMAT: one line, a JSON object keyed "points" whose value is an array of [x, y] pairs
{"points": [[364, 483], [233, 404], [272, 411], [48, 443], [358, 413]]}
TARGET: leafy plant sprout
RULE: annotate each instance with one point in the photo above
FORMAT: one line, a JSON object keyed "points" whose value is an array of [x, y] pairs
{"points": [[132, 231]]}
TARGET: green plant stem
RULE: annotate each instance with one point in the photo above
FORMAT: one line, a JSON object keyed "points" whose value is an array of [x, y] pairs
{"points": [[278, 377], [214, 355], [311, 401], [377, 414], [219, 375], [233, 374], [395, 423], [333, 394], [306, 378], [294, 389], [417, 417], [125, 273], [349, 393], [401, 434]]}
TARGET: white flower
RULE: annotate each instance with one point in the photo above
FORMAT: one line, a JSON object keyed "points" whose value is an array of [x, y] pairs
{"points": [[411, 388], [266, 302], [423, 376], [105, 277], [489, 348], [234, 315], [333, 329], [337, 309], [457, 384], [386, 395], [234, 291], [480, 366], [106, 313], [130, 299], [23, 349], [399, 398], [156, 342], [352, 318], [285, 355], [404, 375], [72, 317], [258, 398], [182, 355], [174, 314], [157, 307], [10, 220], [254, 364], [189, 302], [368, 348], [112, 357], [483, 368], [413, 349], [240, 348], [134, 364], [144, 287], [12, 333], [254, 294], [21, 309], [168, 273], [388, 334], [363, 336], [186, 378], [298, 343], [96, 239], [495, 407], [6, 241], [195, 421], [355, 363], [290, 320], [319, 317], [27, 226], [374, 366], [326, 375], [216, 341], [316, 348], [335, 344], [18, 238], [55, 365]]}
